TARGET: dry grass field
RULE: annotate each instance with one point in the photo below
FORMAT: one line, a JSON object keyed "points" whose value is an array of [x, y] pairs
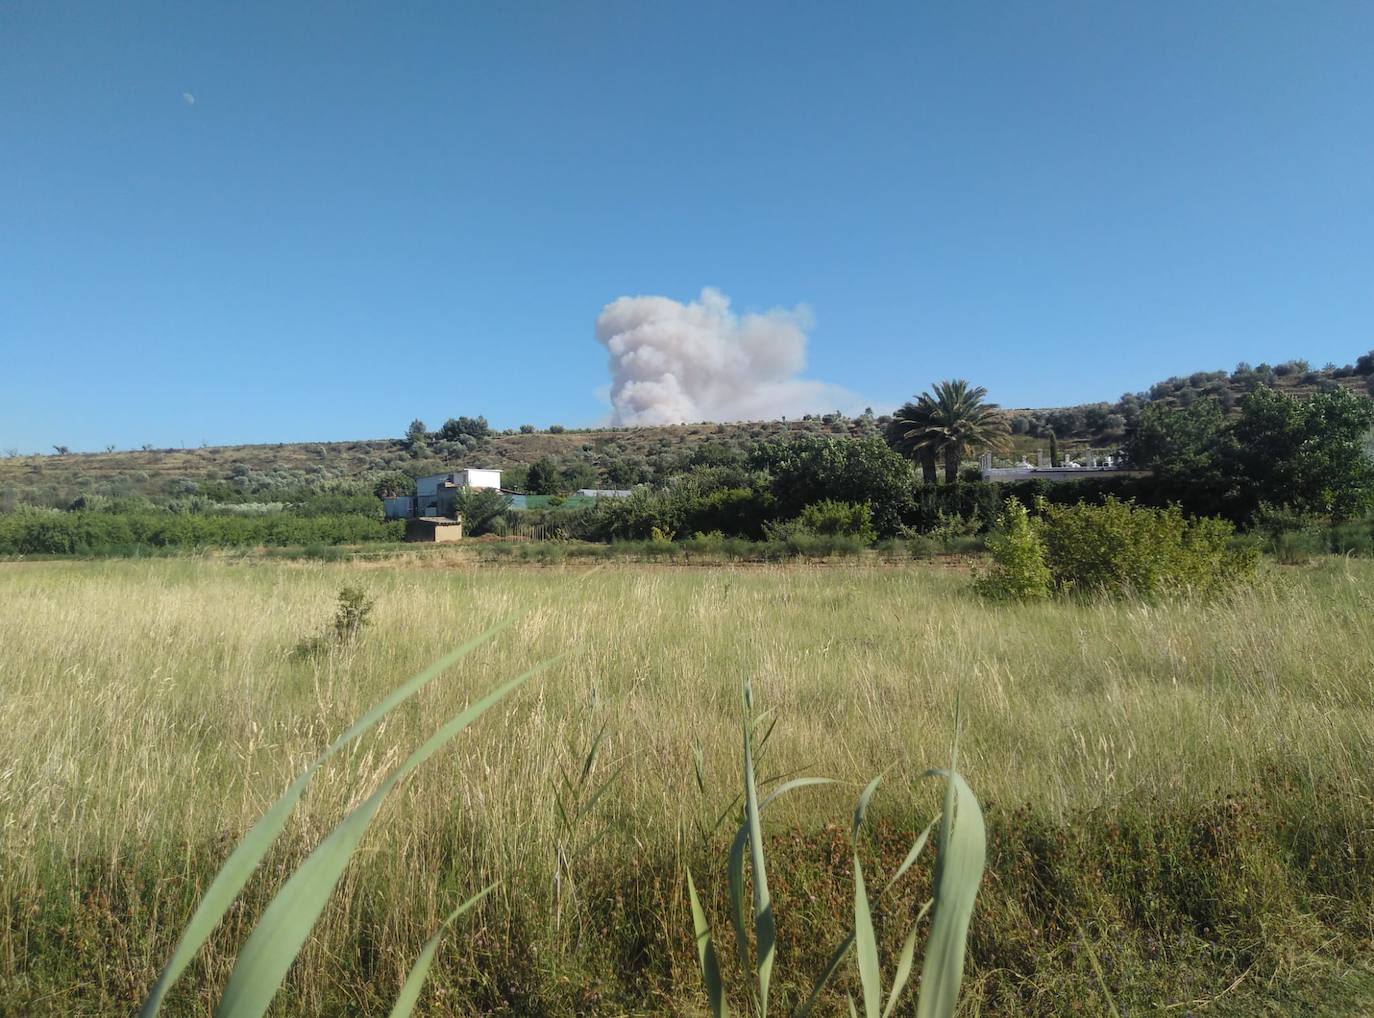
{"points": [[1185, 788]]}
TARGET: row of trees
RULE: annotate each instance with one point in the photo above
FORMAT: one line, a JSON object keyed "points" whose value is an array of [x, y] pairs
{"points": [[1312, 456], [453, 429]]}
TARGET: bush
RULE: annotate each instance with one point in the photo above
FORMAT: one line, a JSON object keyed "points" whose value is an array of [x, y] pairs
{"points": [[353, 612], [461, 427], [1018, 571], [807, 468], [479, 509], [949, 527], [1119, 548], [833, 518]]}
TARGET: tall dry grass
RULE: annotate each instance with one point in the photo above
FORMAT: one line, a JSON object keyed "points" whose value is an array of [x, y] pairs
{"points": [[152, 710]]}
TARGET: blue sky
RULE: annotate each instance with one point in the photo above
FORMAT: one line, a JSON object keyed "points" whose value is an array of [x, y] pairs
{"points": [[277, 222]]}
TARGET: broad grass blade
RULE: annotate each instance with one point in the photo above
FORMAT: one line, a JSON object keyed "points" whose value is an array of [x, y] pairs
{"points": [[236, 870], [410, 989], [865, 943], [1097, 971], [791, 786], [958, 873], [765, 929], [735, 871], [904, 961], [831, 967], [706, 953], [861, 810], [911, 856], [287, 921]]}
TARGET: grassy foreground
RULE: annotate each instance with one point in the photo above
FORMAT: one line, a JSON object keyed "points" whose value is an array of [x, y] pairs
{"points": [[1186, 789]]}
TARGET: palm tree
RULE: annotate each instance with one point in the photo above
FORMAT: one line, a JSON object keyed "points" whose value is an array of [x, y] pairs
{"points": [[910, 420], [952, 422]]}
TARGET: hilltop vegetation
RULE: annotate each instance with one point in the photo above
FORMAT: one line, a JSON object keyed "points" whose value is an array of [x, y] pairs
{"points": [[1287, 457], [593, 457], [605, 457]]}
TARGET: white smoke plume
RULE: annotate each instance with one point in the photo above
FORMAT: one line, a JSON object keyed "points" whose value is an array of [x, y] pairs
{"points": [[674, 362]]}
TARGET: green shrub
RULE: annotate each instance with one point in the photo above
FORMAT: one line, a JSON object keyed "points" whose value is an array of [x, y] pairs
{"points": [[353, 612], [1353, 538], [1121, 548], [479, 509], [950, 526], [826, 518], [1018, 571], [834, 518]]}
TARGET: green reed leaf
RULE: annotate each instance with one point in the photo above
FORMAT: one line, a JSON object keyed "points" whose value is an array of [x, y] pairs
{"points": [[410, 989]]}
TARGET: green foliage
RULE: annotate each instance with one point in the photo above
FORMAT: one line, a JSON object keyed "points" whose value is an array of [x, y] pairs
{"points": [[456, 428], [738, 511], [292, 913], [1119, 548], [1018, 571], [950, 422], [1307, 454], [480, 509], [949, 527], [828, 518], [958, 874], [543, 477], [416, 434], [48, 532], [338, 503], [352, 614], [1294, 537], [1115, 548], [812, 468], [1310, 455], [1188, 448]]}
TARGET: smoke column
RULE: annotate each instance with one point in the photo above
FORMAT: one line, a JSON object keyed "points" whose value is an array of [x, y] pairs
{"points": [[673, 362]]}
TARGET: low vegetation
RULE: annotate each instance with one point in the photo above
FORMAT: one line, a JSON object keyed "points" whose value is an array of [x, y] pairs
{"points": [[94, 532], [1115, 549], [1176, 797]]}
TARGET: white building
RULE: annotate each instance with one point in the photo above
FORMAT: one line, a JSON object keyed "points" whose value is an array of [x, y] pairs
{"points": [[475, 478], [434, 494]]}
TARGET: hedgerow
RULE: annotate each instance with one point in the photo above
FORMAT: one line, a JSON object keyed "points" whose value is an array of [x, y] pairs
{"points": [[47, 532]]}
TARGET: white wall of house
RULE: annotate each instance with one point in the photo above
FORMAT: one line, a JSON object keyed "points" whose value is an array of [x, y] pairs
{"points": [[476, 478], [426, 487]]}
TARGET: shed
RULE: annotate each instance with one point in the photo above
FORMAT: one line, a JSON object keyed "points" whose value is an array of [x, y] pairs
{"points": [[433, 529]]}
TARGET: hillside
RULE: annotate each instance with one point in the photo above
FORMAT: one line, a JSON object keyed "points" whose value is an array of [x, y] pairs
{"points": [[604, 457], [266, 472]]}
